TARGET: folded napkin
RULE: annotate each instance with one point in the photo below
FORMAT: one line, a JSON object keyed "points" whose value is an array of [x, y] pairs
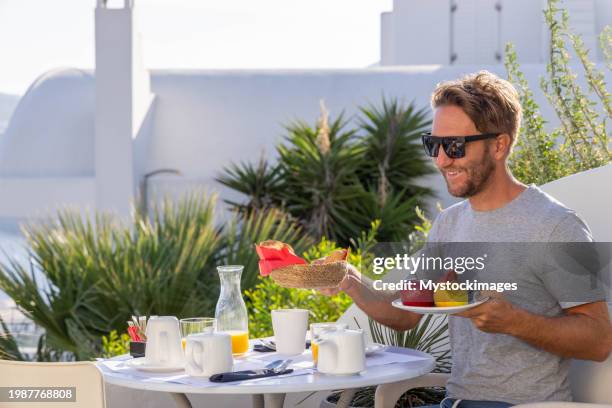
{"points": [[274, 255], [247, 375], [262, 349], [265, 349]]}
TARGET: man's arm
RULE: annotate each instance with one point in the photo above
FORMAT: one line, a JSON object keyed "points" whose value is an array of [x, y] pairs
{"points": [[584, 332], [374, 303]]}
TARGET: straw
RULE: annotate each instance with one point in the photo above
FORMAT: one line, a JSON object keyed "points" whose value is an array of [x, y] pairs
{"points": [[142, 324]]}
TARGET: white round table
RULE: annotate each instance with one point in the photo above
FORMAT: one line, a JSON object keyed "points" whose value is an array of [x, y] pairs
{"points": [[270, 392]]}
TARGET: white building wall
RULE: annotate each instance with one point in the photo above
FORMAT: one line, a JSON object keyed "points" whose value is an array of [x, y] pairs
{"points": [[603, 17], [583, 21], [203, 120], [476, 31], [522, 23], [43, 196], [206, 119], [420, 33]]}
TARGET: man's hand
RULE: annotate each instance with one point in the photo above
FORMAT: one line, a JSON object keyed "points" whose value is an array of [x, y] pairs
{"points": [[582, 332], [349, 282], [375, 303], [496, 315]]}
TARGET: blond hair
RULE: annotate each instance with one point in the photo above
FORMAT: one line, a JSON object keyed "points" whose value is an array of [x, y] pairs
{"points": [[491, 103]]}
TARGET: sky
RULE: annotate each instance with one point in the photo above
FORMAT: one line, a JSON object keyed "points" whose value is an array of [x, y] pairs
{"points": [[38, 35]]}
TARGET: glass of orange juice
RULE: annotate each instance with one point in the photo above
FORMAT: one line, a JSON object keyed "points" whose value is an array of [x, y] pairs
{"points": [[240, 341], [318, 329], [194, 325]]}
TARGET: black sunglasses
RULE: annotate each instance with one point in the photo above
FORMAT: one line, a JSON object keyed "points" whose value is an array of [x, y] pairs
{"points": [[454, 146]]}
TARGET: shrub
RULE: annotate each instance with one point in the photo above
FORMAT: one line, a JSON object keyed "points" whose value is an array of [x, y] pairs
{"points": [[115, 344], [267, 296], [335, 179], [98, 272], [9, 350], [581, 142], [259, 182], [393, 156]]}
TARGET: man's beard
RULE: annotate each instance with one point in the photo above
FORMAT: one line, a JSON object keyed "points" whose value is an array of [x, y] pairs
{"points": [[478, 176]]}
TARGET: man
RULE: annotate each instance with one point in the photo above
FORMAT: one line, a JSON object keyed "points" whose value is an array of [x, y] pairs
{"points": [[503, 354]]}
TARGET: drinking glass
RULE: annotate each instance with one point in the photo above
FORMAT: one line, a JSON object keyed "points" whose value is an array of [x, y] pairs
{"points": [[316, 330], [195, 325]]}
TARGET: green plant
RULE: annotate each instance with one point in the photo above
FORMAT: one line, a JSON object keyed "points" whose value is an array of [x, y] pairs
{"points": [[9, 349], [393, 158], [115, 344], [430, 336], [582, 141], [99, 271], [319, 177], [260, 183], [418, 237], [396, 214], [359, 250], [335, 179], [267, 296]]}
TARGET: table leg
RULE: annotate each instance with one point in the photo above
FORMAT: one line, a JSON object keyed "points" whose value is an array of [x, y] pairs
{"points": [[258, 400], [345, 398], [274, 400], [180, 400]]}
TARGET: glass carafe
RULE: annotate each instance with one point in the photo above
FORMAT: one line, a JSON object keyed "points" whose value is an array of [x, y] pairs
{"points": [[231, 312]]}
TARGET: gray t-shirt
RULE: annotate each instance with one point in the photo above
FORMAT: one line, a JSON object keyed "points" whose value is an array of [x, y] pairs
{"points": [[500, 367]]}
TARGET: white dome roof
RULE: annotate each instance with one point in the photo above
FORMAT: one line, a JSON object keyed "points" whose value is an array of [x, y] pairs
{"points": [[51, 132]]}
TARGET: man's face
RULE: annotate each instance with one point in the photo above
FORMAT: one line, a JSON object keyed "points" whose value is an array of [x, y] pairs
{"points": [[470, 174]]}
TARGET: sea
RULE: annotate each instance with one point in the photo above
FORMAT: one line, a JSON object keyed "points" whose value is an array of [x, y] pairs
{"points": [[13, 246]]}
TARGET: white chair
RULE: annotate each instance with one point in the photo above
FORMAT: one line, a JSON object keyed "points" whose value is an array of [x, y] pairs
{"points": [[84, 377]]}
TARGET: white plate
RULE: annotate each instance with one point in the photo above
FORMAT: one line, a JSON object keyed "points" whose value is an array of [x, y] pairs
{"points": [[437, 310], [375, 348], [142, 365]]}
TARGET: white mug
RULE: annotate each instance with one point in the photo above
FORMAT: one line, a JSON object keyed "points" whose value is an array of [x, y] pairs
{"points": [[164, 345], [290, 327], [208, 354], [341, 352]]}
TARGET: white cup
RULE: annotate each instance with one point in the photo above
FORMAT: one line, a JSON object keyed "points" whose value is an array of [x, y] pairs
{"points": [[164, 345], [341, 352], [290, 326], [208, 354]]}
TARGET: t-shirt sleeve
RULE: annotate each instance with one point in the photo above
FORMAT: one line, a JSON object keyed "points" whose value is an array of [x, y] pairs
{"points": [[573, 269], [571, 228]]}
